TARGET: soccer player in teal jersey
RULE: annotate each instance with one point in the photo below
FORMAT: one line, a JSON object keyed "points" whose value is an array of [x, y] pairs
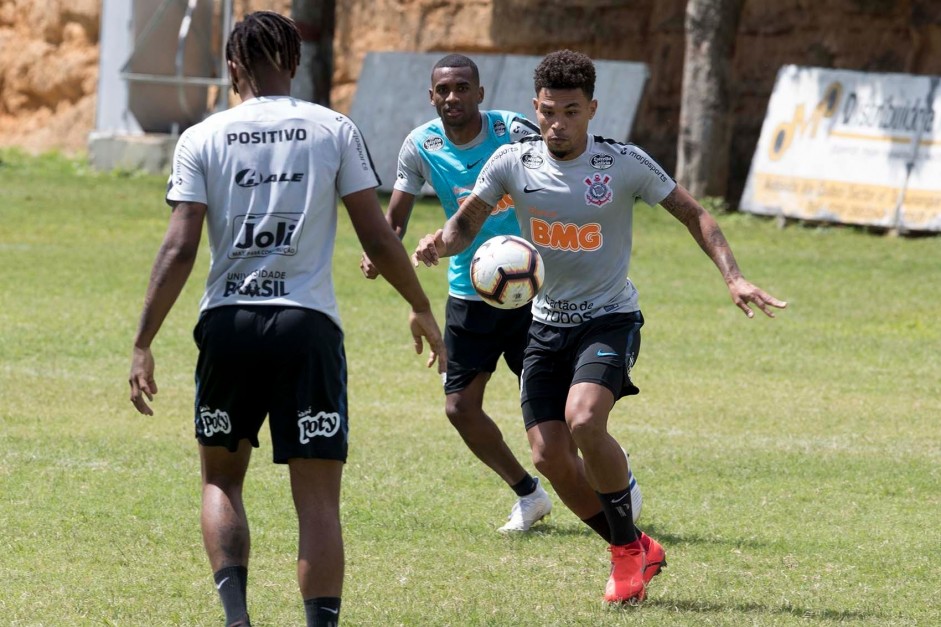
{"points": [[448, 152]]}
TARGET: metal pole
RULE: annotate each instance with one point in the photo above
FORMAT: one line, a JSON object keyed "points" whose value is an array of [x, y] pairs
{"points": [[223, 66]]}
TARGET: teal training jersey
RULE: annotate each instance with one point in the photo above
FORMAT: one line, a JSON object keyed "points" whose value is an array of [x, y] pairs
{"points": [[427, 155]]}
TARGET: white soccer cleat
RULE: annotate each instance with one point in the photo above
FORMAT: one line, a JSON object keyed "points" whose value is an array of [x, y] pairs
{"points": [[528, 510]]}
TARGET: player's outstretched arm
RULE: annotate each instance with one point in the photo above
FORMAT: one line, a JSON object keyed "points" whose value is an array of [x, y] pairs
{"points": [[397, 215], [458, 232], [171, 268], [705, 230], [385, 250]]}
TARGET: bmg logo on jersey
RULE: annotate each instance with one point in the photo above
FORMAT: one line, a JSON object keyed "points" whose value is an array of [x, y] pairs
{"points": [[265, 234], [214, 421], [320, 425]]}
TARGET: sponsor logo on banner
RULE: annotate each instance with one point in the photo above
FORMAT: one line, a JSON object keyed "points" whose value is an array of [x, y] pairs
{"points": [[803, 124], [214, 421], [850, 147], [320, 425], [433, 143], [599, 193], [899, 116]]}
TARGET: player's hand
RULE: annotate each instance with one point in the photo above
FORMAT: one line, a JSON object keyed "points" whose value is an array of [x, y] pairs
{"points": [[370, 271], [745, 294], [142, 380], [427, 250], [423, 324]]}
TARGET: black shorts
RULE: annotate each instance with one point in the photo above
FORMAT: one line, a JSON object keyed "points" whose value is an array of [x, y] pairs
{"points": [[602, 350], [284, 362], [476, 334]]}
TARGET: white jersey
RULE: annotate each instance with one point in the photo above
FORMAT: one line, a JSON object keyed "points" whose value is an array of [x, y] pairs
{"points": [[270, 171], [579, 215]]}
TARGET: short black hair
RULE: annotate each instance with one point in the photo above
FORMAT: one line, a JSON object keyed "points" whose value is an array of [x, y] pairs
{"points": [[566, 69], [456, 60], [264, 38]]}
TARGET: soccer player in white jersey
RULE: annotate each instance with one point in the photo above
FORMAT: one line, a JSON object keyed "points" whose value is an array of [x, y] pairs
{"points": [[265, 176], [574, 196]]}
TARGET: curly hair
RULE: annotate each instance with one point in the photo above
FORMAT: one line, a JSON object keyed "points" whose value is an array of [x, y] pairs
{"points": [[566, 69], [264, 38], [457, 60]]}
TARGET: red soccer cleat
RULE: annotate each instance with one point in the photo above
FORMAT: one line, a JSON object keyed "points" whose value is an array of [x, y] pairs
{"points": [[655, 555], [627, 583]]}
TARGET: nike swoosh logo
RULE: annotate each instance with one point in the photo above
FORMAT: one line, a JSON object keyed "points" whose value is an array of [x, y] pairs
{"points": [[331, 610], [624, 496], [471, 166], [604, 354], [219, 585], [530, 191]]}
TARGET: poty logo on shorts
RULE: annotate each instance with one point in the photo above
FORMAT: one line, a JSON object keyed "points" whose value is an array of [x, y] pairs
{"points": [[599, 193], [323, 425], [214, 421]]}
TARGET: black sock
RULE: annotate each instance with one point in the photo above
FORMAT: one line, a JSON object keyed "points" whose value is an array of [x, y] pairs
{"points": [[322, 611], [599, 523], [525, 487], [232, 582], [617, 509]]}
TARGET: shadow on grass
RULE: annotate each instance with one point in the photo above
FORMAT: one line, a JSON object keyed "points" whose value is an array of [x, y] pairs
{"points": [[668, 540], [753, 608], [568, 530]]}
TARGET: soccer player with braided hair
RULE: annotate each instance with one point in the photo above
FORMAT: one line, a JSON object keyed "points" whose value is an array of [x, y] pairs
{"points": [[265, 177], [574, 195]]}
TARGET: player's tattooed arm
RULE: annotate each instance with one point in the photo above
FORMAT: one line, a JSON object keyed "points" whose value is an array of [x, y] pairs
{"points": [[458, 232], [705, 230], [464, 225]]}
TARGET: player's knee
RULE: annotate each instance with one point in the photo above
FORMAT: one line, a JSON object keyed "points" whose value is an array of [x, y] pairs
{"points": [[586, 428], [462, 412]]}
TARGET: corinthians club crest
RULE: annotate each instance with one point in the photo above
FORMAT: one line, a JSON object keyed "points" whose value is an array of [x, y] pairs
{"points": [[599, 193]]}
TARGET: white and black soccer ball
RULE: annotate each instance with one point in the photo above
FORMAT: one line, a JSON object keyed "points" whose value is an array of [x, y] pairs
{"points": [[507, 271]]}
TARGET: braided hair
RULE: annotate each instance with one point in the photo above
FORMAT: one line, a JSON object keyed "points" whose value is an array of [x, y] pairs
{"points": [[565, 69], [264, 38]]}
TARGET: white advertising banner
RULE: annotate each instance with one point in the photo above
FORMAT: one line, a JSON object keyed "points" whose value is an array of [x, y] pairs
{"points": [[850, 147]]}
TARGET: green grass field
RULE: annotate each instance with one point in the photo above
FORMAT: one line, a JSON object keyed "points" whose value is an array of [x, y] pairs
{"points": [[791, 467]]}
